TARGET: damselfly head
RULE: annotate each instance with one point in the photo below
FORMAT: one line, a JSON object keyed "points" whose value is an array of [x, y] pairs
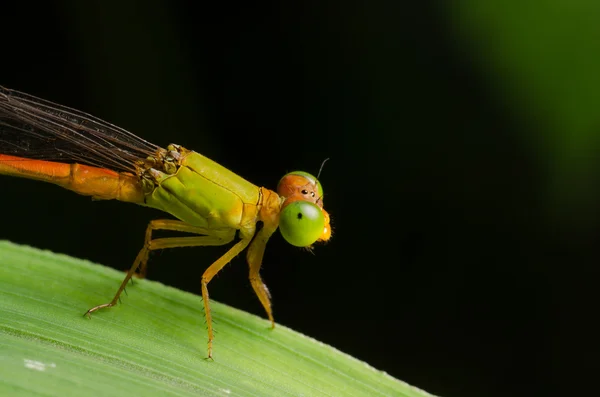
{"points": [[302, 219]]}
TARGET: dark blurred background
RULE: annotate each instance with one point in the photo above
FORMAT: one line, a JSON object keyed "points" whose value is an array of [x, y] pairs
{"points": [[463, 180]]}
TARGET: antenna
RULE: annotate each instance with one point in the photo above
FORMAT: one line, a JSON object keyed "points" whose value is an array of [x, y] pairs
{"points": [[321, 169]]}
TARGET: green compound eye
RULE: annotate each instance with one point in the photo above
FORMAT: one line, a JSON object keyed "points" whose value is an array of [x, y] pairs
{"points": [[301, 223]]}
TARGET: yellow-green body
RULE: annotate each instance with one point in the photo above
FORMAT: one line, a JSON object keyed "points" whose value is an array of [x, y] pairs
{"points": [[205, 194]]}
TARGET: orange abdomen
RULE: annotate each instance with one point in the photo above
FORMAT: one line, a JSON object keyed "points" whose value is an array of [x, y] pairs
{"points": [[100, 183]]}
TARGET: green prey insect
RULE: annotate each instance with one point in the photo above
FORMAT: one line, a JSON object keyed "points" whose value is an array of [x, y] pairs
{"points": [[48, 142]]}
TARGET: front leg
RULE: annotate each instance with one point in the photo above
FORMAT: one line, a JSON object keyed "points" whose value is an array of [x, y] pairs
{"points": [[254, 257]]}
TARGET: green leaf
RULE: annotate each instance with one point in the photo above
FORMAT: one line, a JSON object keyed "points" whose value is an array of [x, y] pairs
{"points": [[154, 343]]}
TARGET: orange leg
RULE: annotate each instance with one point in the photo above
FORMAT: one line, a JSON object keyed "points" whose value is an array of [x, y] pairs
{"points": [[209, 274], [174, 242], [254, 257], [209, 237]]}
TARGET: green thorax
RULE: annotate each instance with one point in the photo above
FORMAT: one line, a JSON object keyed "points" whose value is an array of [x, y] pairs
{"points": [[201, 192]]}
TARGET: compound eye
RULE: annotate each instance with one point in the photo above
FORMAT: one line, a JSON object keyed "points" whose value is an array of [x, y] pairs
{"points": [[301, 223], [300, 182]]}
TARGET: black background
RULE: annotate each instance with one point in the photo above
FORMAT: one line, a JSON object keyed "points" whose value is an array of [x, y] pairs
{"points": [[449, 267]]}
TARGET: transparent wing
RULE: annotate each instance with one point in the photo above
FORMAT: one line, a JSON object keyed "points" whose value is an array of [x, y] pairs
{"points": [[34, 128]]}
